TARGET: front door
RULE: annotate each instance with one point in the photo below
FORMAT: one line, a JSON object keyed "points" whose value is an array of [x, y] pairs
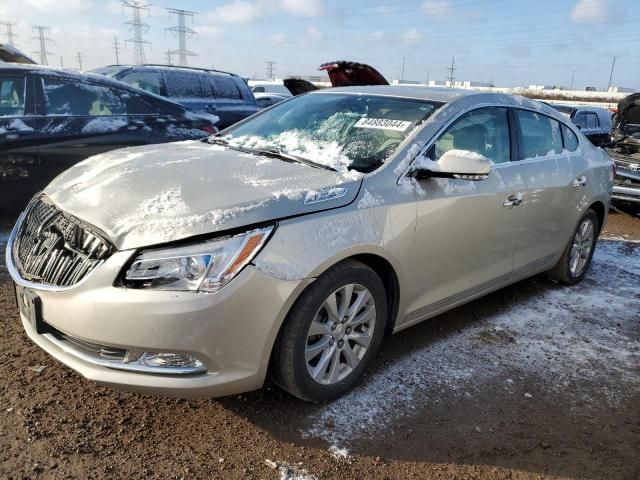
{"points": [[466, 229]]}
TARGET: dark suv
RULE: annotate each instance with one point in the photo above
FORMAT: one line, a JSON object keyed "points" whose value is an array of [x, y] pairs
{"points": [[51, 119], [223, 94]]}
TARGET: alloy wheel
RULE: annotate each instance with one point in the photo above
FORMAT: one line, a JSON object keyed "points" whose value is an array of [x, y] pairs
{"points": [[581, 248], [340, 334]]}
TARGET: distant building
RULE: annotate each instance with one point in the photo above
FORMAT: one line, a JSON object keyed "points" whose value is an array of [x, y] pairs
{"points": [[621, 90], [405, 82]]}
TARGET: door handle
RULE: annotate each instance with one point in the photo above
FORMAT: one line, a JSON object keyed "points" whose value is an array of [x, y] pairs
{"points": [[580, 182], [513, 200]]}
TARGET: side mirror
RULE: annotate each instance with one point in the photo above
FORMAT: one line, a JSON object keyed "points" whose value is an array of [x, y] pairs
{"points": [[455, 164]]}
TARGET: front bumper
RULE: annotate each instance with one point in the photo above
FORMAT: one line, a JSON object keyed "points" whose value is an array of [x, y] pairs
{"points": [[627, 186], [231, 331]]}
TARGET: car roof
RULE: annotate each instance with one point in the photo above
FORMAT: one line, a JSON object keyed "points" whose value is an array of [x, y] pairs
{"points": [[160, 66]]}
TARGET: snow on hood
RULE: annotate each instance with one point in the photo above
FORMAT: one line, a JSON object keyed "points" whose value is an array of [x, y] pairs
{"points": [[156, 194]]}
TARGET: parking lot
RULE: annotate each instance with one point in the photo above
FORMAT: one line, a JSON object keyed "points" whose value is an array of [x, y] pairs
{"points": [[534, 381]]}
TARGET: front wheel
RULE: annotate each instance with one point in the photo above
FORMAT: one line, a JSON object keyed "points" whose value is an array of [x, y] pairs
{"points": [[576, 258], [331, 333]]}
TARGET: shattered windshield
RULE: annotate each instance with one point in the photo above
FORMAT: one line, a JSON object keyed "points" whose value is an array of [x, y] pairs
{"points": [[341, 131]]}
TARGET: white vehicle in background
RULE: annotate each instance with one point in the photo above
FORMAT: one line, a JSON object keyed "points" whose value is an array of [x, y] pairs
{"points": [[277, 88]]}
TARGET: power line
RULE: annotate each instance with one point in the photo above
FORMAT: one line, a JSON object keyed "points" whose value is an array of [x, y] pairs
{"points": [[182, 31], [452, 69], [79, 59], [138, 27], [42, 40], [10, 35], [116, 50], [270, 69]]}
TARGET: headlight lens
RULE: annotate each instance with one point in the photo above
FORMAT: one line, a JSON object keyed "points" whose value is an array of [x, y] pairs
{"points": [[204, 267]]}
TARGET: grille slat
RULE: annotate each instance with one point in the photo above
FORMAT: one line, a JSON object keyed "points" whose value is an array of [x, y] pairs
{"points": [[54, 248]]}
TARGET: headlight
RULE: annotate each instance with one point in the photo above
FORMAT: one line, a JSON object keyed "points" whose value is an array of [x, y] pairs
{"points": [[204, 267]]}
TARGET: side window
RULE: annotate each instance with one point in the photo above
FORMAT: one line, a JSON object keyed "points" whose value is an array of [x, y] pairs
{"points": [[137, 105], [258, 90], [580, 119], [69, 97], [12, 94], [263, 102], [541, 135], [148, 81], [484, 131], [592, 120], [570, 139], [225, 87], [183, 85]]}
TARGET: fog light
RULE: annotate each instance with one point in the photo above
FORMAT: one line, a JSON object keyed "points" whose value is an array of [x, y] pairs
{"points": [[170, 362]]}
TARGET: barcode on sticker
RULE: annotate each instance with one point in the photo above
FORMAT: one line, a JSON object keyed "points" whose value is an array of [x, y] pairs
{"points": [[383, 123]]}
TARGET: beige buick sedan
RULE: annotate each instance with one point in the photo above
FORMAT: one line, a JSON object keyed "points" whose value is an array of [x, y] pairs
{"points": [[293, 242]]}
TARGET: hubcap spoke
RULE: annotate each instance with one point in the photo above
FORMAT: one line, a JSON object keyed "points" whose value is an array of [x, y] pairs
{"points": [[367, 315], [350, 355], [361, 338], [345, 300], [331, 305], [318, 372], [319, 328], [312, 351], [334, 368]]}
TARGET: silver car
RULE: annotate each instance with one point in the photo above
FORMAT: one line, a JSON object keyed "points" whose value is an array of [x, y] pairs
{"points": [[292, 243]]}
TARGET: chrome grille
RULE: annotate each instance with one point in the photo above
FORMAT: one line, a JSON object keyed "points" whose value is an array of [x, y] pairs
{"points": [[54, 248]]}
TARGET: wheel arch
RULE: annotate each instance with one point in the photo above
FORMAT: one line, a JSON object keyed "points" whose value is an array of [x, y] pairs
{"points": [[601, 211]]}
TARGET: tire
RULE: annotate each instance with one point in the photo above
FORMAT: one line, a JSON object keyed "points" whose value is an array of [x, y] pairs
{"points": [[565, 271], [293, 358]]}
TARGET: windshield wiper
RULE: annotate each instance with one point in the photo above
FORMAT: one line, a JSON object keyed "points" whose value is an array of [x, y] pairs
{"points": [[277, 153]]}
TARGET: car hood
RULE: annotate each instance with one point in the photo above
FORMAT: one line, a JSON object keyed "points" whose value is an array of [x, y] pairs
{"points": [[344, 74], [156, 194]]}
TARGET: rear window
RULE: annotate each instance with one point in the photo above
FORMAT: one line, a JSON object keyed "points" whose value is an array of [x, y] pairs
{"points": [[148, 81], [12, 94], [225, 87], [183, 85], [570, 139], [68, 97], [541, 135]]}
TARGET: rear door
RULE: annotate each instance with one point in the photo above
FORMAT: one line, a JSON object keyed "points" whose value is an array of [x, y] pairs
{"points": [[19, 163], [189, 88], [79, 119], [466, 230], [549, 207], [234, 100]]}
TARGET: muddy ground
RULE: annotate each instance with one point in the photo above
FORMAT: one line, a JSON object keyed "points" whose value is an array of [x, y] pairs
{"points": [[534, 381]]}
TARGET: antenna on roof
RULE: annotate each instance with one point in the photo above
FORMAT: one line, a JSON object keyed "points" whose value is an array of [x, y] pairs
{"points": [[182, 31], [138, 27]]}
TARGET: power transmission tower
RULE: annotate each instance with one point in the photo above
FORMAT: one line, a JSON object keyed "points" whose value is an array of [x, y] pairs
{"points": [[270, 69], [138, 27], [168, 57], [611, 74], [79, 58], [573, 75], [10, 35], [182, 31], [402, 74], [452, 69], [42, 40], [116, 50]]}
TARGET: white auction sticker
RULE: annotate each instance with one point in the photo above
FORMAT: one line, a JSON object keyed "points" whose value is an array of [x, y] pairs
{"points": [[383, 123]]}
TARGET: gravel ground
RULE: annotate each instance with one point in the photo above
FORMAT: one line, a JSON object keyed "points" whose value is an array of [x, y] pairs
{"points": [[534, 381]]}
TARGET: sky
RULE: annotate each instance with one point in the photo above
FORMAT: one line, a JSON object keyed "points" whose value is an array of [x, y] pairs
{"points": [[504, 42]]}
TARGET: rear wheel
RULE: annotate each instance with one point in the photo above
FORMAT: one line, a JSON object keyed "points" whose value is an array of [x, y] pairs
{"points": [[576, 258], [331, 333]]}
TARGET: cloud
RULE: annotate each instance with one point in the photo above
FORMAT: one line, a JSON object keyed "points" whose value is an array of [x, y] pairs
{"points": [[305, 8], [377, 35], [590, 11], [208, 31], [411, 36], [13, 8], [314, 34], [437, 8], [278, 38]]}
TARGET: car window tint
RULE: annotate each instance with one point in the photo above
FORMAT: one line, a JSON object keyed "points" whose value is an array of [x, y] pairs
{"points": [[570, 139], [69, 97], [258, 90], [148, 81], [541, 135], [183, 85], [263, 102], [225, 87], [138, 106], [12, 95], [592, 120], [484, 131], [580, 120]]}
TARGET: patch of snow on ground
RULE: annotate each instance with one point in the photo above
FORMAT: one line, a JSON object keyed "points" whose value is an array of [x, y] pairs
{"points": [[290, 472], [339, 453], [370, 200], [560, 334]]}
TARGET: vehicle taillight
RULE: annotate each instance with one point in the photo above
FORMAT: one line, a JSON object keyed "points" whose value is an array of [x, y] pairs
{"points": [[209, 129]]}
